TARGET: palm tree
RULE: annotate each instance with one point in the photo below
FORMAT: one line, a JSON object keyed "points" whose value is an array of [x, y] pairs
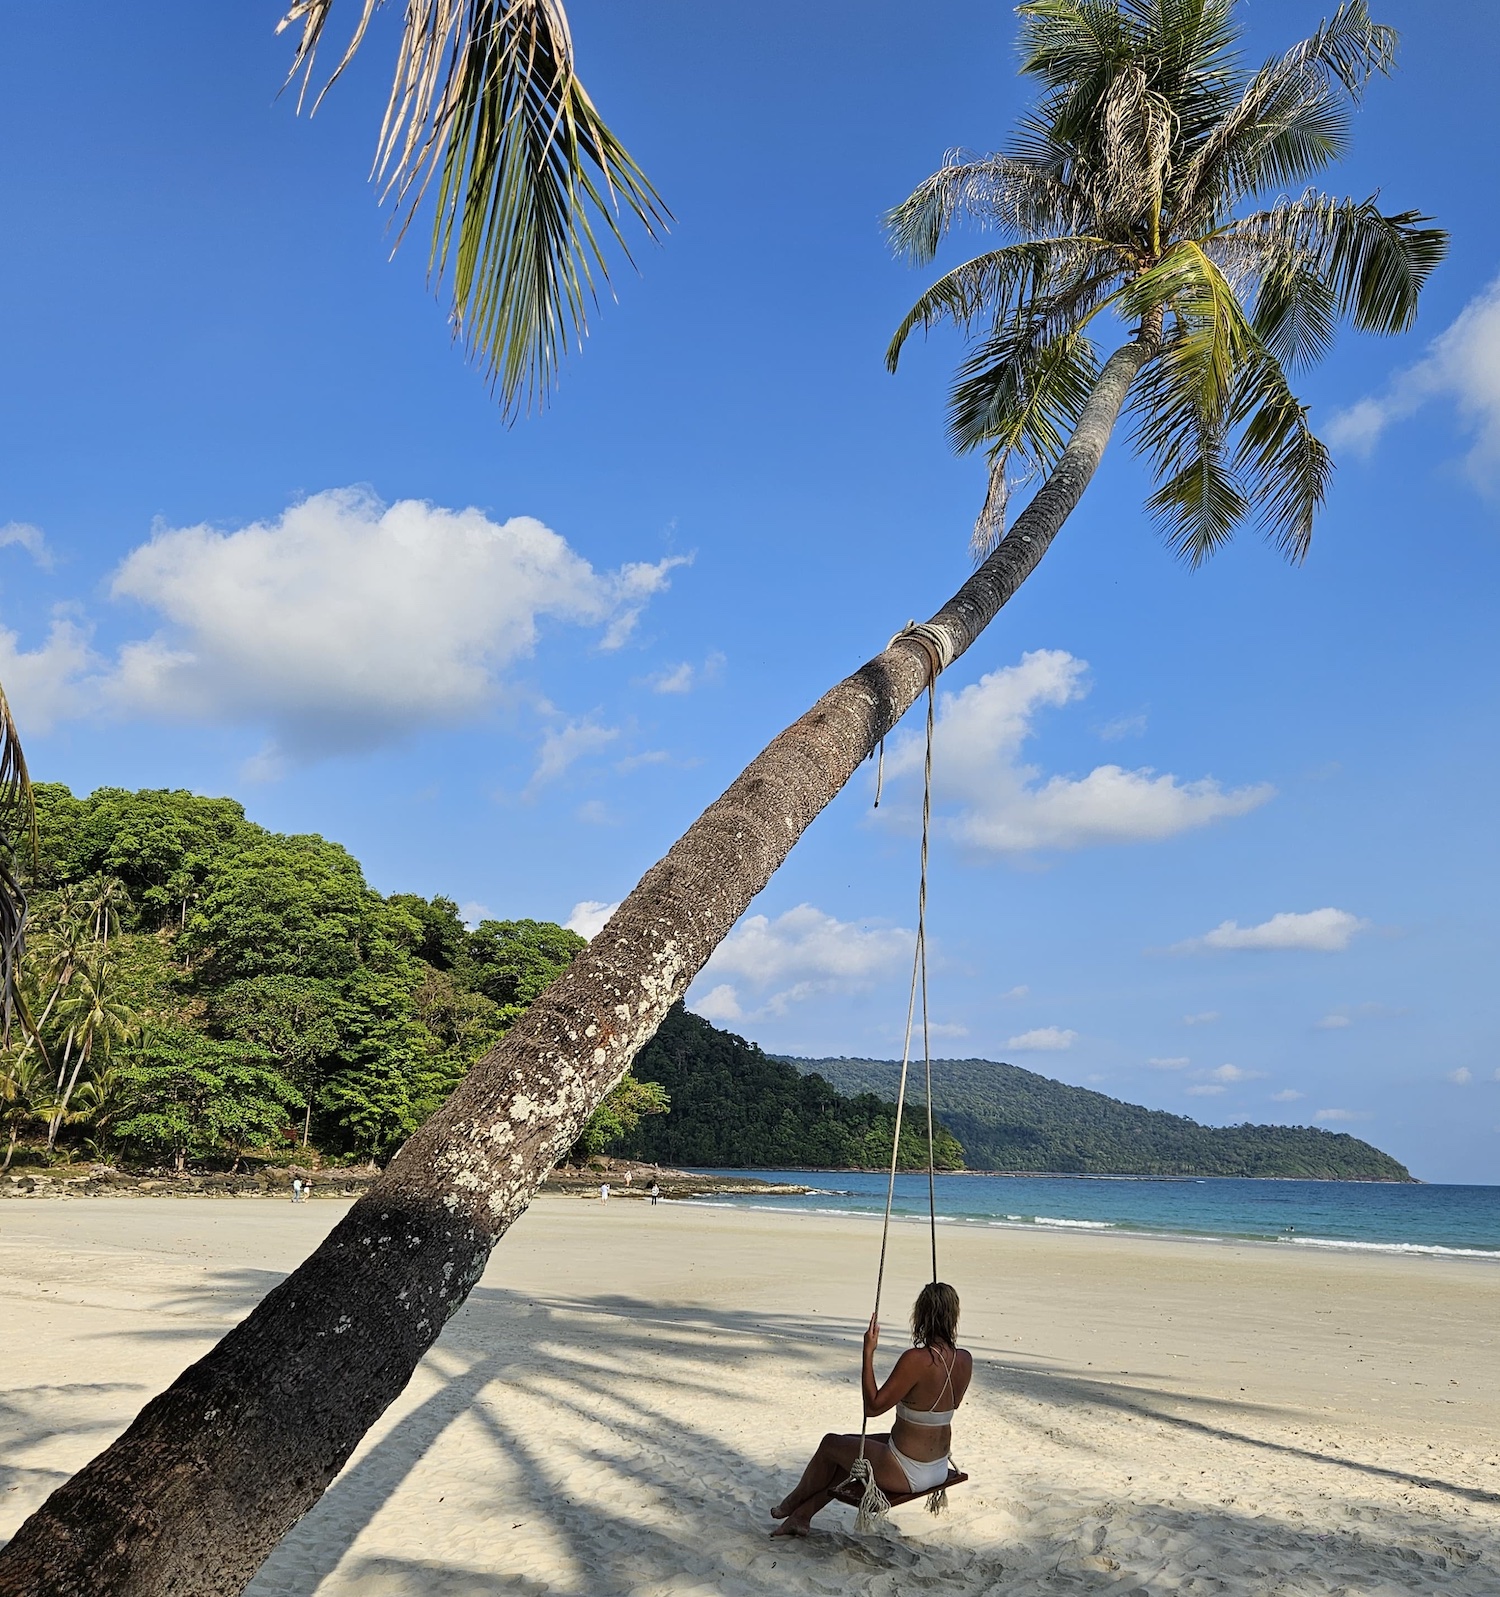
{"points": [[106, 897], [25, 1095], [486, 102], [96, 1019], [1149, 134], [1147, 182]]}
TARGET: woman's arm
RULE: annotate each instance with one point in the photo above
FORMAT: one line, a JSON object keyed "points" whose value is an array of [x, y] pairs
{"points": [[902, 1378]]}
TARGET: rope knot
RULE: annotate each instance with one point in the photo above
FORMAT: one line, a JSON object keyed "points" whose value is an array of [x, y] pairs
{"points": [[874, 1505], [935, 640]]}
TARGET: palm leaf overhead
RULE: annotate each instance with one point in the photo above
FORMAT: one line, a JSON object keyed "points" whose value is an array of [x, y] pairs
{"points": [[17, 833], [488, 113], [1147, 181]]}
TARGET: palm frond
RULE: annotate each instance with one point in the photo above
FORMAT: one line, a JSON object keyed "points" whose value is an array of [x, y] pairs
{"points": [[1291, 119], [530, 180], [1214, 332], [1199, 508], [1200, 503], [1023, 404], [1138, 126], [1015, 399], [1296, 312], [1376, 264], [1072, 45], [998, 191], [998, 284], [1285, 464], [17, 834]]}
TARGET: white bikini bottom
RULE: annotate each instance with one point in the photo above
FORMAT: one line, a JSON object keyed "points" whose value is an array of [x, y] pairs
{"points": [[921, 1474]]}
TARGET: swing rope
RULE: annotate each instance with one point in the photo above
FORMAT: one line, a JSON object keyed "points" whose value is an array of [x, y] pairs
{"points": [[873, 1502]]}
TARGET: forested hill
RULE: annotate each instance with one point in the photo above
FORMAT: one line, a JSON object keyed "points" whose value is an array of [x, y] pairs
{"points": [[736, 1107], [1012, 1119], [209, 992]]}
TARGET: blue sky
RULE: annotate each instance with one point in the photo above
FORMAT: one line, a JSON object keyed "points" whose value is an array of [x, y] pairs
{"points": [[1220, 842]]}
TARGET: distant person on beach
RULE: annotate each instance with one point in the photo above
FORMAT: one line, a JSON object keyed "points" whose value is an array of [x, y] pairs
{"points": [[925, 1388], [297, 1189], [604, 1192], [655, 1192]]}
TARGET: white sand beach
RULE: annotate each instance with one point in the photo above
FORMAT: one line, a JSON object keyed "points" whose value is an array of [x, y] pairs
{"points": [[629, 1388]]}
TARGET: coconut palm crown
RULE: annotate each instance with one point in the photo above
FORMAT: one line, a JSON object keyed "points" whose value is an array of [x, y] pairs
{"points": [[1150, 180]]}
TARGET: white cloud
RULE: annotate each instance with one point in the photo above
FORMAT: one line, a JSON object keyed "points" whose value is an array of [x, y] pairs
{"points": [[678, 679], [22, 535], [1339, 1116], [946, 1028], [1232, 1073], [472, 912], [345, 623], [1461, 1077], [987, 799], [1206, 1018], [1333, 1022], [1324, 931], [1179, 1063], [685, 677], [1017, 992], [800, 954], [635, 762], [563, 745], [1123, 726], [587, 917], [1043, 1040], [1462, 364], [51, 683], [1287, 1095], [720, 1004], [1206, 1089]]}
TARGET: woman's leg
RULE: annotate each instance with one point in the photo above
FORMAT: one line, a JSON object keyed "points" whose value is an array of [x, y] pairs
{"points": [[826, 1471]]}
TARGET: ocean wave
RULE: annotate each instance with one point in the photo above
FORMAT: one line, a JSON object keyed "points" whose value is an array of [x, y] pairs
{"points": [[1432, 1249]]}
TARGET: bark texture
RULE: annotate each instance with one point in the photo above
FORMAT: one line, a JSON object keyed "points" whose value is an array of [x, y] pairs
{"points": [[190, 1500]]}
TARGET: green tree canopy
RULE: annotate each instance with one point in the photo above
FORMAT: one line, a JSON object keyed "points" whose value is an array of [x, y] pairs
{"points": [[191, 1095], [514, 960]]}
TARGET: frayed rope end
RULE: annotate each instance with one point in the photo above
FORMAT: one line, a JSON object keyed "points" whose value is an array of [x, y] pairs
{"points": [[937, 1500], [874, 1505]]}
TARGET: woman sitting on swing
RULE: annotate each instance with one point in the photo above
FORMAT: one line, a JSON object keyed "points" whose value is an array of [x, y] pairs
{"points": [[926, 1386]]}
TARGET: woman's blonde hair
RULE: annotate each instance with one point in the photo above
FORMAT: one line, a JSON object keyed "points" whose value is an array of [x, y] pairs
{"points": [[934, 1318]]}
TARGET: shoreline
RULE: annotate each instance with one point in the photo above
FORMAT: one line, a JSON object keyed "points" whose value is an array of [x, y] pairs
{"points": [[1121, 1231]]}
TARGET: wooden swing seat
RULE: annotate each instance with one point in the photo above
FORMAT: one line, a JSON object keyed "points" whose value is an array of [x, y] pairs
{"points": [[851, 1491]]}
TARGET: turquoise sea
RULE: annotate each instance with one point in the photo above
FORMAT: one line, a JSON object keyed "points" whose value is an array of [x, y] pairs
{"points": [[1419, 1219]]}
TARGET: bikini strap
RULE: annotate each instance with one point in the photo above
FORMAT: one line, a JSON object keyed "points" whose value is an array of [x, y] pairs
{"points": [[947, 1375]]}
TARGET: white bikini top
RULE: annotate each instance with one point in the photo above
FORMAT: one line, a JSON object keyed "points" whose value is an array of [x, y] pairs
{"points": [[930, 1416]]}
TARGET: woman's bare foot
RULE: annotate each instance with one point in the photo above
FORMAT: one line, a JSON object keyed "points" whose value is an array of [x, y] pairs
{"points": [[791, 1526], [782, 1509]]}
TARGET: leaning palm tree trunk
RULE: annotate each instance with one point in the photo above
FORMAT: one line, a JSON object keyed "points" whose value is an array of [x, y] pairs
{"points": [[217, 1469]]}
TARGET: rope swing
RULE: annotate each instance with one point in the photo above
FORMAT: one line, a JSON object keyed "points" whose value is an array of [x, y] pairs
{"points": [[860, 1489]]}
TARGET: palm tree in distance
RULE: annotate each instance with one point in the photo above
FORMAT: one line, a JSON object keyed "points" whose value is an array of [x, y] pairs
{"points": [[97, 1019], [487, 104], [1147, 144], [17, 836], [1138, 186]]}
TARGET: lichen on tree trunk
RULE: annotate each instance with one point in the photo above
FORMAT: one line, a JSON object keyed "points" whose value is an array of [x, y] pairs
{"points": [[191, 1499]]}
